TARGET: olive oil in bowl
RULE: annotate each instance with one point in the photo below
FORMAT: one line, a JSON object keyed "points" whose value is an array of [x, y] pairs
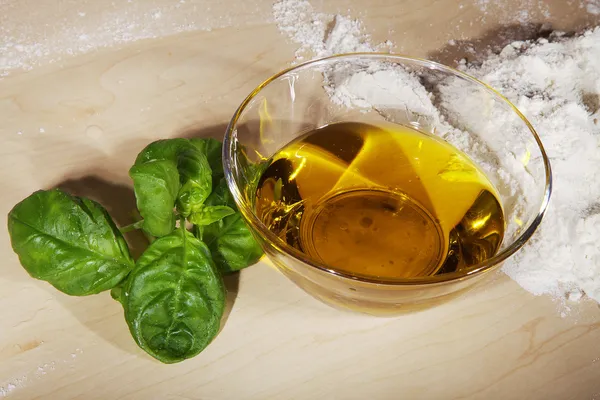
{"points": [[383, 202]]}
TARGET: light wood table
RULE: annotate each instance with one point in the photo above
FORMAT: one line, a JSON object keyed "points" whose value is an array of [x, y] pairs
{"points": [[80, 122]]}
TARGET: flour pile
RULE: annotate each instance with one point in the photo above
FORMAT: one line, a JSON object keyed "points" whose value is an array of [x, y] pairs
{"points": [[556, 84]]}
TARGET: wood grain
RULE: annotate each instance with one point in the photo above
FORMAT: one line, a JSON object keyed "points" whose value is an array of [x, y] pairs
{"points": [[79, 124]]}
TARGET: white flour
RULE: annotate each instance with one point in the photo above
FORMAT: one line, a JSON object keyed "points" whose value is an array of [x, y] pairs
{"points": [[320, 34], [51, 34], [593, 7], [507, 11], [556, 85], [24, 46], [79, 27]]}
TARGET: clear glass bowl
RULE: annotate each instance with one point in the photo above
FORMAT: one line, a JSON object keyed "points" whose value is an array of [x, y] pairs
{"points": [[371, 88]]}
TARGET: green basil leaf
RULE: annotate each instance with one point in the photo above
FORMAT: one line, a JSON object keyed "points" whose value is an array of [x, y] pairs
{"points": [[210, 214], [196, 181], [157, 190], [231, 243], [116, 293], [68, 241], [163, 149], [212, 149], [156, 185], [221, 196], [174, 298]]}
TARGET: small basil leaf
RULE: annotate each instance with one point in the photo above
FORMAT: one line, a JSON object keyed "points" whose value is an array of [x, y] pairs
{"points": [[156, 184], [163, 149], [187, 193], [196, 181], [195, 176], [116, 293], [221, 196], [210, 214], [212, 149], [68, 241], [174, 298], [231, 243]]}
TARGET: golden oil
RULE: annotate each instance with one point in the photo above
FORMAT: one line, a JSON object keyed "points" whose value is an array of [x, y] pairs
{"points": [[383, 202]]}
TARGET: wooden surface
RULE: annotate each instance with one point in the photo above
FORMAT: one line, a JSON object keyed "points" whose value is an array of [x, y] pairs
{"points": [[80, 122]]}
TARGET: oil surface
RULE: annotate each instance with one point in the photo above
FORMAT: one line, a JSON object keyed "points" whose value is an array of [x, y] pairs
{"points": [[385, 202]]}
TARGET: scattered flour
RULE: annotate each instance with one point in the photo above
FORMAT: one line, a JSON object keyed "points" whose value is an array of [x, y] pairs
{"points": [[378, 86], [593, 7], [42, 372], [507, 11], [555, 83], [320, 34], [49, 35]]}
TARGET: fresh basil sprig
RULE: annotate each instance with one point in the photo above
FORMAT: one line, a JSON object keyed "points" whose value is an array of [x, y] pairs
{"points": [[173, 296]]}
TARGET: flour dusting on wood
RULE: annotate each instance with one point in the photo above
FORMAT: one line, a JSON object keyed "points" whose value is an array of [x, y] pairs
{"points": [[80, 27], [320, 34]]}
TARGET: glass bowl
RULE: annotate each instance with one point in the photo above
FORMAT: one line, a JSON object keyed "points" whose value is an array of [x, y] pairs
{"points": [[373, 88]]}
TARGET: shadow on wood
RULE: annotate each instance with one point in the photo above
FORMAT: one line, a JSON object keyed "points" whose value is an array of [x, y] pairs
{"points": [[477, 49]]}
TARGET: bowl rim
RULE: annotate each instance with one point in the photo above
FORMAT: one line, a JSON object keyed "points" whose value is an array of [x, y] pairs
{"points": [[284, 248]]}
